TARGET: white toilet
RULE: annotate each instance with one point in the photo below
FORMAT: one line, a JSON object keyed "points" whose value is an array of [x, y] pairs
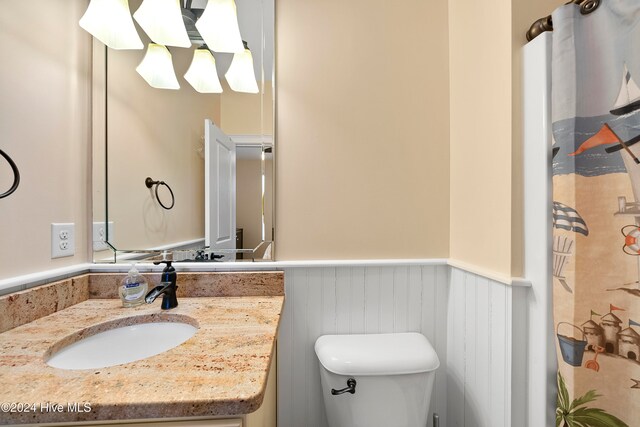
{"points": [[377, 380]]}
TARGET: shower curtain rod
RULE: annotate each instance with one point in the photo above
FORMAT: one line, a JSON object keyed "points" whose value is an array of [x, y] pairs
{"points": [[545, 24]]}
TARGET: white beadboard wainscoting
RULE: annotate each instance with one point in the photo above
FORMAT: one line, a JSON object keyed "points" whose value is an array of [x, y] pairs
{"points": [[486, 352], [469, 319]]}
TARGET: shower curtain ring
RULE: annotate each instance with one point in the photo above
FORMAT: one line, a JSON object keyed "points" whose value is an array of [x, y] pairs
{"points": [[589, 6]]}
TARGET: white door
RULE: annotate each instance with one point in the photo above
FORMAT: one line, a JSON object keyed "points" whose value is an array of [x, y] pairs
{"points": [[220, 190]]}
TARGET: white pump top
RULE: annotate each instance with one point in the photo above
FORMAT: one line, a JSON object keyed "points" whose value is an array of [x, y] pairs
{"points": [[377, 354], [133, 270]]}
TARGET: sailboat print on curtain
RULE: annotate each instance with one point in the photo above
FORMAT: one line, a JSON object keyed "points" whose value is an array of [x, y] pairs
{"points": [[629, 98], [596, 173]]}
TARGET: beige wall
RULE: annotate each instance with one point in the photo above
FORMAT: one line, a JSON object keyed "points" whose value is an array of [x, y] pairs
{"points": [[362, 159], [240, 113], [248, 201], [45, 125], [480, 58], [486, 40]]}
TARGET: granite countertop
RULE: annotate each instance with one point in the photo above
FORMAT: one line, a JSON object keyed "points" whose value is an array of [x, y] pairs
{"points": [[222, 370]]}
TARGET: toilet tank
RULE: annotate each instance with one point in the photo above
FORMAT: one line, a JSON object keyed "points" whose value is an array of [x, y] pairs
{"points": [[393, 375]]}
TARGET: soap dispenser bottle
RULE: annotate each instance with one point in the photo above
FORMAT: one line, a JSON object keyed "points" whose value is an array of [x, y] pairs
{"points": [[133, 288]]}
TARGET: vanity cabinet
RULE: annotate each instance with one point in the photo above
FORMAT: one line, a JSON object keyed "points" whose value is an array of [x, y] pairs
{"points": [[235, 422], [265, 416]]}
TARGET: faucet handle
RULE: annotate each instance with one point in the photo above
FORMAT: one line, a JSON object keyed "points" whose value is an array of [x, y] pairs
{"points": [[169, 267], [169, 273]]}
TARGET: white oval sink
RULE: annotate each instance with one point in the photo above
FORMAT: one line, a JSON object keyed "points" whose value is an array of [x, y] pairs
{"points": [[122, 345]]}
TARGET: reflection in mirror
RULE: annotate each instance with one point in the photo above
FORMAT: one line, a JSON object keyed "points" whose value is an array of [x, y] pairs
{"points": [[143, 132], [254, 172]]}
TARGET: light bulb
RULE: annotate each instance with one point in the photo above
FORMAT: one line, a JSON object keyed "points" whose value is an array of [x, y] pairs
{"points": [[162, 21], [240, 75], [202, 73], [157, 68], [218, 26], [110, 22]]}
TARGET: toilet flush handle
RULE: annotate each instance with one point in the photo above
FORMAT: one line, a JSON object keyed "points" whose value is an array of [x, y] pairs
{"points": [[351, 388]]}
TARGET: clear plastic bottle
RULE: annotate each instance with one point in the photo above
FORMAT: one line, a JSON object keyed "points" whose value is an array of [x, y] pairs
{"points": [[133, 288]]}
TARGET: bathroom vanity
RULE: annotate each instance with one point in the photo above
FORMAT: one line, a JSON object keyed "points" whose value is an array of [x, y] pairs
{"points": [[223, 376]]}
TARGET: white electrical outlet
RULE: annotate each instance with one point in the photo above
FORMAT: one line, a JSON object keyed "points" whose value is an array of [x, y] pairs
{"points": [[63, 240], [100, 235]]}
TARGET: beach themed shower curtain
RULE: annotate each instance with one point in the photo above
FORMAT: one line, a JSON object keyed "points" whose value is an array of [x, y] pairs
{"points": [[596, 213]]}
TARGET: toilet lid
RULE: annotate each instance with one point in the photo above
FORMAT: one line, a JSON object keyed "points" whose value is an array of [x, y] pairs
{"points": [[376, 354]]}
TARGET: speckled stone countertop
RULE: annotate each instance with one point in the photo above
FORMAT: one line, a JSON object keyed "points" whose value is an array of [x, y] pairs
{"points": [[222, 370]]}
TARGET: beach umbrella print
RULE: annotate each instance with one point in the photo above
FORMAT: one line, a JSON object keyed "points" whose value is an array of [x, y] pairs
{"points": [[565, 218]]}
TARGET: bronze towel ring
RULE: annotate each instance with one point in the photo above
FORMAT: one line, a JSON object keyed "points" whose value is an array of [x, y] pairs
{"points": [[150, 183], [16, 175]]}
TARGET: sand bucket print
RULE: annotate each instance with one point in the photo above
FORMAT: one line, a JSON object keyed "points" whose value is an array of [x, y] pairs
{"points": [[571, 348]]}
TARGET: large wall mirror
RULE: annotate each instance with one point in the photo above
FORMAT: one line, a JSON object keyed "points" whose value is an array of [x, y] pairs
{"points": [[180, 174]]}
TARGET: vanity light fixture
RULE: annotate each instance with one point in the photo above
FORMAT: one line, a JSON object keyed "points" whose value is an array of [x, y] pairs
{"points": [[162, 21], [157, 68], [110, 22], [240, 76], [202, 74], [218, 26]]}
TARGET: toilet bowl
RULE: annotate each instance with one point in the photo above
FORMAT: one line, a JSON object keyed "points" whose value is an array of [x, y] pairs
{"points": [[376, 380]]}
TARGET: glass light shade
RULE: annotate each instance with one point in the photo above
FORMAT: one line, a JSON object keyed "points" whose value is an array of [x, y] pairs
{"points": [[240, 75], [162, 21], [157, 68], [110, 22], [202, 73], [218, 26]]}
